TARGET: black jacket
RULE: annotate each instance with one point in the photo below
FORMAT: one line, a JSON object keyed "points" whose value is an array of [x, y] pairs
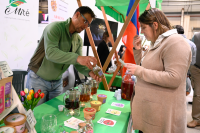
{"points": [[103, 53]]}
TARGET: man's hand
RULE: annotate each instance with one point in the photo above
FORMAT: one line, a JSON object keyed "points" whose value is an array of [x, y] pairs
{"points": [[91, 73], [85, 61]]}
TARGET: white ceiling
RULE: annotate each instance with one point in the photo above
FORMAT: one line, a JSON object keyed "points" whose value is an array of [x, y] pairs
{"points": [[175, 6]]}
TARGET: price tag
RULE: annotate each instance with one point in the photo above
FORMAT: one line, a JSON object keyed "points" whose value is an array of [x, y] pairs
{"points": [[30, 119], [5, 70]]}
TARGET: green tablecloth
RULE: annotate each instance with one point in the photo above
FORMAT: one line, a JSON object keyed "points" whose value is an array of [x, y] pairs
{"points": [[51, 107], [117, 81]]}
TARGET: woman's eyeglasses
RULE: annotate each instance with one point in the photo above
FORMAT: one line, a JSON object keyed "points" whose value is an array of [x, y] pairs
{"points": [[86, 22]]}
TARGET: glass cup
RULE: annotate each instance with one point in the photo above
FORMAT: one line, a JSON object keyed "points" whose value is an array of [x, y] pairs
{"points": [[49, 123]]}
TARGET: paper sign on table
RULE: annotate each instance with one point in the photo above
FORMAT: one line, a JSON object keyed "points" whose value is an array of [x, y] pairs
{"points": [[117, 104], [72, 122], [114, 112], [107, 122]]}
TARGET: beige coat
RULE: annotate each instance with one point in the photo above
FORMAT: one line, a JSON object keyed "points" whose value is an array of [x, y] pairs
{"points": [[159, 104]]}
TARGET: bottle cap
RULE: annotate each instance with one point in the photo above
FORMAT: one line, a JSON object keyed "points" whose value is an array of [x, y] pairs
{"points": [[88, 117], [82, 124]]}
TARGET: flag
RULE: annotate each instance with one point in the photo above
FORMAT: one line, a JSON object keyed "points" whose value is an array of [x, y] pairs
{"points": [[131, 30]]}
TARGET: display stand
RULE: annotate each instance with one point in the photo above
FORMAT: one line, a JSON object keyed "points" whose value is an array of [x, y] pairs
{"points": [[112, 41], [16, 101]]}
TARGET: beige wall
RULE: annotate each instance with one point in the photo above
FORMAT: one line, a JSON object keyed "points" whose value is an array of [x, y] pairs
{"points": [[194, 22]]}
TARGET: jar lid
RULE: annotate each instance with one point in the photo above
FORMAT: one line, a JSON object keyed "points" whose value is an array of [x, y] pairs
{"points": [[97, 103], [15, 119], [82, 124], [89, 110], [88, 117], [102, 95], [7, 129], [73, 132]]}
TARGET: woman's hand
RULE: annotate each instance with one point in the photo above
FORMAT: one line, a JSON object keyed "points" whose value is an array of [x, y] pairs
{"points": [[131, 68], [137, 42]]}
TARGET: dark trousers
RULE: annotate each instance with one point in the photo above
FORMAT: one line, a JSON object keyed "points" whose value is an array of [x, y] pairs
{"points": [[140, 131]]}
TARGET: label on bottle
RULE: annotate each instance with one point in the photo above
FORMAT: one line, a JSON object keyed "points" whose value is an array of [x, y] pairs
{"points": [[100, 73]]}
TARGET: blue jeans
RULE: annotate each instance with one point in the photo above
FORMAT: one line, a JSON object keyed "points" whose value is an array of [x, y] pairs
{"points": [[51, 89]]}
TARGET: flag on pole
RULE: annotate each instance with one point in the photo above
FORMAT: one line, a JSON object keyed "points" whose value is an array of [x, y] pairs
{"points": [[130, 32]]}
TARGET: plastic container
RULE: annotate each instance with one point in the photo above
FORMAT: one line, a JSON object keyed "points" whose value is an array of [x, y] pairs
{"points": [[127, 87], [96, 105], [7, 129], [89, 112], [16, 120], [102, 98]]}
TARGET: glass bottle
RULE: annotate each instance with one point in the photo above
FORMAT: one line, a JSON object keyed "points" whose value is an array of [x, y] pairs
{"points": [[97, 71], [94, 87], [89, 124], [71, 102], [127, 87], [82, 127]]}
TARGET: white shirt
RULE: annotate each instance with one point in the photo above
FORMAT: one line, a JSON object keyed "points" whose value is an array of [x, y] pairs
{"points": [[160, 38]]}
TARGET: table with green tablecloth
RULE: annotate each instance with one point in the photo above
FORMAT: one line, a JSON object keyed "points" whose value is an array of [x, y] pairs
{"points": [[51, 107], [117, 81]]}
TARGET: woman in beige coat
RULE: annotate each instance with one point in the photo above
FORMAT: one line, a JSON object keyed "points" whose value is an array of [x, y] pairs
{"points": [[159, 104]]}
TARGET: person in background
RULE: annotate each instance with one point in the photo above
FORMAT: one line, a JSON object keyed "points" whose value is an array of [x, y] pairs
{"points": [[159, 103], [59, 47], [103, 49], [195, 79], [121, 51], [180, 31]]}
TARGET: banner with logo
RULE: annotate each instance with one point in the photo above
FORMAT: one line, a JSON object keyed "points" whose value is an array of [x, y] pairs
{"points": [[58, 10], [18, 34]]}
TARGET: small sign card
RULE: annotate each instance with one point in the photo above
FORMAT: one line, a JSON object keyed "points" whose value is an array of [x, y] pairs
{"points": [[30, 118], [5, 70], [117, 105], [114, 112], [72, 122], [107, 122]]}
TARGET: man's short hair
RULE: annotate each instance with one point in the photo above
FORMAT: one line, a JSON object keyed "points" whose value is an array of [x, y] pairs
{"points": [[180, 29], [84, 10]]}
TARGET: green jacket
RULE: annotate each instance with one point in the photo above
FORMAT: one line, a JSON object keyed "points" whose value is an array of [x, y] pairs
{"points": [[52, 56]]}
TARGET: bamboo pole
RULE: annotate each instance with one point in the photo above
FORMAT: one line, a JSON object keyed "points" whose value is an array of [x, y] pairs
{"points": [[121, 33], [109, 31], [94, 51]]}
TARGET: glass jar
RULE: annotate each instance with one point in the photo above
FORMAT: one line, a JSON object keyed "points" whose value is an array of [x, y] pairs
{"points": [[89, 124], [97, 71], [94, 88], [127, 87], [85, 92], [82, 127], [72, 101]]}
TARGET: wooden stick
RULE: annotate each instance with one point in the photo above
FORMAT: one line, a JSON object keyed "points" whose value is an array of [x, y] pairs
{"points": [[94, 51], [79, 3], [114, 75], [116, 71], [109, 31], [148, 6], [121, 34]]}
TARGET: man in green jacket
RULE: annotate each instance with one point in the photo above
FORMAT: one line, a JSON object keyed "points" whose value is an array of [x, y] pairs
{"points": [[59, 47]]}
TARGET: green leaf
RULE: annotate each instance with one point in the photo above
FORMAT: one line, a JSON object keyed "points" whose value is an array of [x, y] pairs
{"points": [[16, 3]]}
